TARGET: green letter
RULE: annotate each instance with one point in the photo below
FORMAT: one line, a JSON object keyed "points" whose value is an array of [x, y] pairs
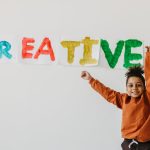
{"points": [[131, 56], [112, 59]]}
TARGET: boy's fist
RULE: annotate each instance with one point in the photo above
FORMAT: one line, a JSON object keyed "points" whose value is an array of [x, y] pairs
{"points": [[85, 75]]}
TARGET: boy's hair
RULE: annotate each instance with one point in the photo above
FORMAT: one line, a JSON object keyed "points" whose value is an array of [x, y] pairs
{"points": [[136, 71]]}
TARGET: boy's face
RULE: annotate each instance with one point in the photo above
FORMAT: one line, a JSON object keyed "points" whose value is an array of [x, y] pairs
{"points": [[135, 87]]}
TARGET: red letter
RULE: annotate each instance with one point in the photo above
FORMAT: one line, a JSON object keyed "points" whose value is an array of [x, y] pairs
{"points": [[49, 51], [26, 47]]}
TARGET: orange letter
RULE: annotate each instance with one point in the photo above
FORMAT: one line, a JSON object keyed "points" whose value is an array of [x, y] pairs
{"points": [[26, 47], [49, 51]]}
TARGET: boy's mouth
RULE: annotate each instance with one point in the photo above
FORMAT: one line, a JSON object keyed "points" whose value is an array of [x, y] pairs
{"points": [[135, 93]]}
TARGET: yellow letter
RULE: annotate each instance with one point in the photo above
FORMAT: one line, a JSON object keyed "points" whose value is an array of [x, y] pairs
{"points": [[87, 54], [71, 47]]}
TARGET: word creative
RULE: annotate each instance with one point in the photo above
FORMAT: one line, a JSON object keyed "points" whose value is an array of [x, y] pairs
{"points": [[70, 48]]}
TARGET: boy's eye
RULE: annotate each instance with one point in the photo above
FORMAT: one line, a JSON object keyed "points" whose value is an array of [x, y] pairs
{"points": [[130, 85], [137, 85]]}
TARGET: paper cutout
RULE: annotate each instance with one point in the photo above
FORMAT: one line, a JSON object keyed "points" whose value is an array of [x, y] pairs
{"points": [[128, 56], [112, 59], [70, 45], [4, 49], [87, 54], [26, 47], [48, 51]]}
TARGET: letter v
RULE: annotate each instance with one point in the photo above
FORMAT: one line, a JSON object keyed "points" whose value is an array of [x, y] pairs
{"points": [[112, 59]]}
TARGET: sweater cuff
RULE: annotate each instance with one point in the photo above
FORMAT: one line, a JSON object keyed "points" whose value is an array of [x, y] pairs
{"points": [[91, 80]]}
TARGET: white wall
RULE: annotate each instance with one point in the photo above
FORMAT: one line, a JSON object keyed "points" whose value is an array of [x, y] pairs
{"points": [[45, 107]]}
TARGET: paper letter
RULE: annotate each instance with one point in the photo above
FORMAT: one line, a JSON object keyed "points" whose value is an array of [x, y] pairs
{"points": [[70, 45], [26, 47], [128, 56], [4, 48], [87, 54], [48, 51], [112, 59]]}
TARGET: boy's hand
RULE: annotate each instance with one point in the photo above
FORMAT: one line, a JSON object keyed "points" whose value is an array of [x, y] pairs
{"points": [[148, 48], [85, 75]]}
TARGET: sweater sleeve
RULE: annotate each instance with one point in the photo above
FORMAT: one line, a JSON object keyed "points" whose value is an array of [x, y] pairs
{"points": [[147, 71], [110, 95]]}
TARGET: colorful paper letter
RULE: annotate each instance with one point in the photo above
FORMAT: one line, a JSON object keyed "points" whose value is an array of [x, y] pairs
{"points": [[26, 47], [87, 54], [70, 45], [112, 59], [48, 51], [128, 56], [4, 49]]}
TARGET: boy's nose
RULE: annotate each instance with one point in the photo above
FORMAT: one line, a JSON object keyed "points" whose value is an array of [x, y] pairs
{"points": [[134, 87]]}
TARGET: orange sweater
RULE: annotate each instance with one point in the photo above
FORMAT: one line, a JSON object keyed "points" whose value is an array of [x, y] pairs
{"points": [[135, 111]]}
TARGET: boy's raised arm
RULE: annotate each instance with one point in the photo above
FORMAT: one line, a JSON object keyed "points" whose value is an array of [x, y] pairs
{"points": [[147, 68], [109, 94]]}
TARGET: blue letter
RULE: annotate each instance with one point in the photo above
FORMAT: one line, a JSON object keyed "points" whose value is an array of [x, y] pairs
{"points": [[4, 48]]}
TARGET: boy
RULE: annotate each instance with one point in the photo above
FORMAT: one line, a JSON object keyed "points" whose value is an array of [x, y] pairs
{"points": [[135, 105]]}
